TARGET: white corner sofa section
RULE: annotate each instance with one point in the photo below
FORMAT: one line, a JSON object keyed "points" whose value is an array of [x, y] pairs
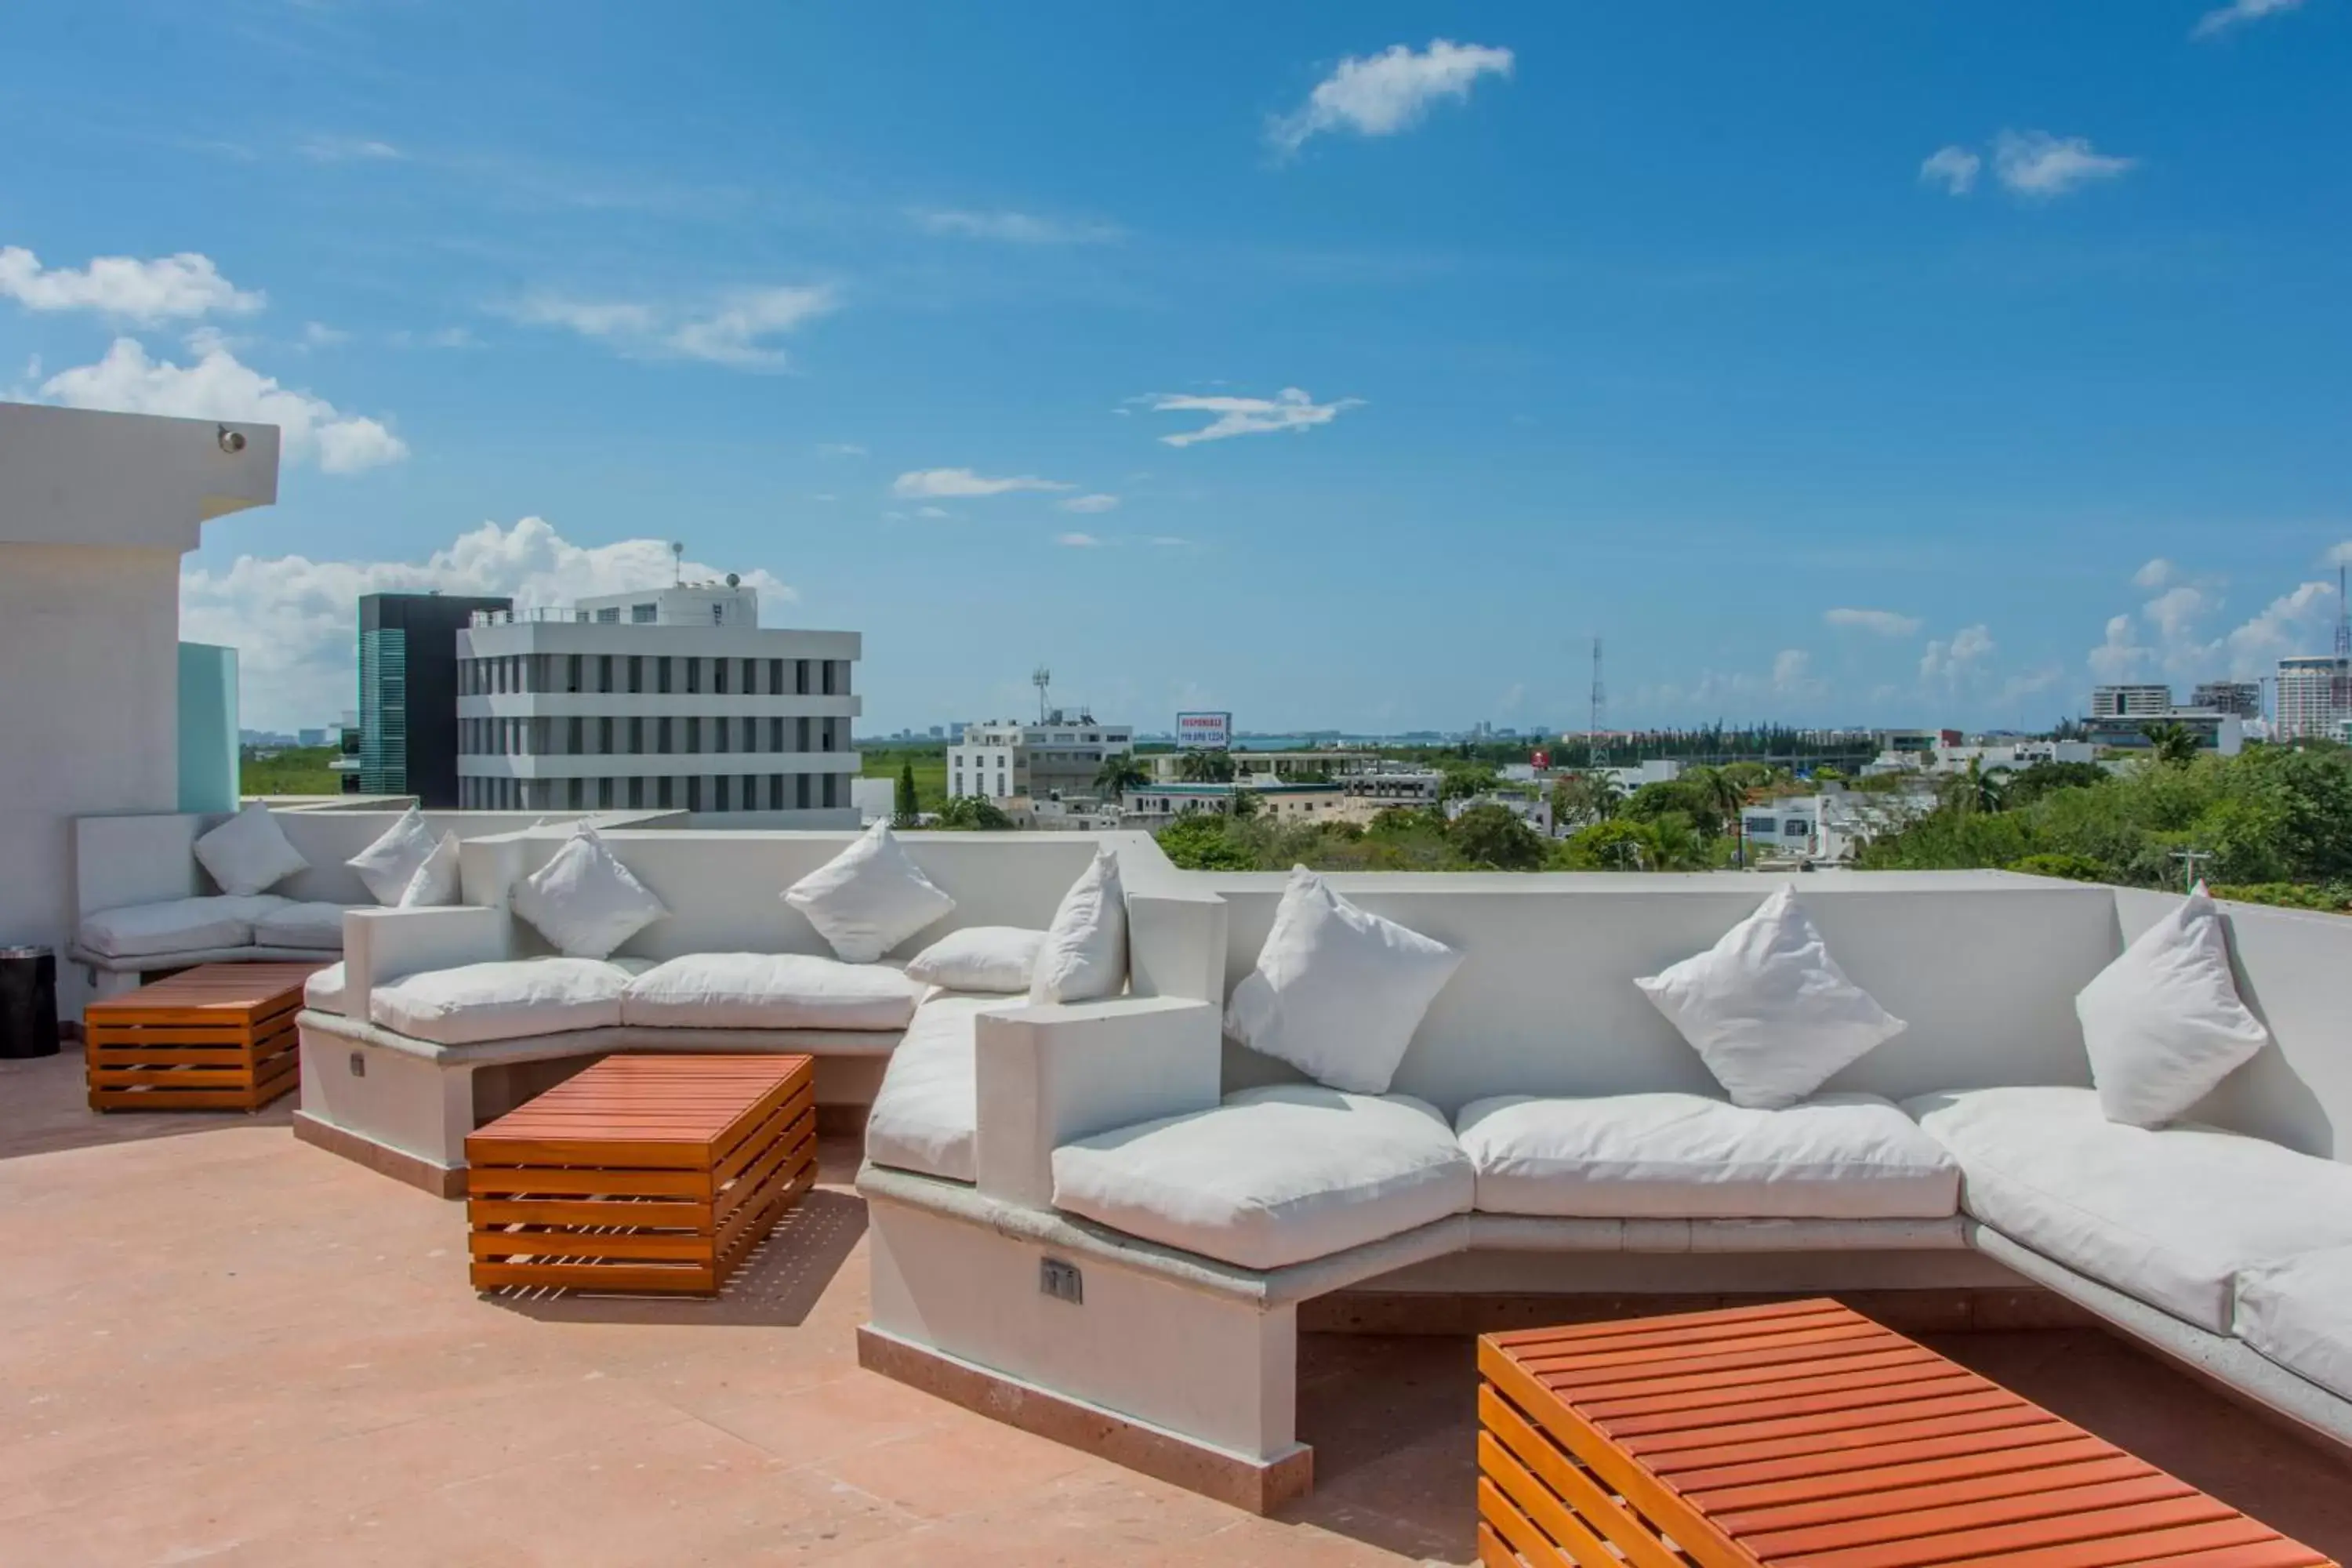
{"points": [[1549, 1133], [143, 903], [442, 1020]]}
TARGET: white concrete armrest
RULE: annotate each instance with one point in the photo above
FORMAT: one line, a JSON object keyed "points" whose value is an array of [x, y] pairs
{"points": [[1046, 1076], [383, 945]]}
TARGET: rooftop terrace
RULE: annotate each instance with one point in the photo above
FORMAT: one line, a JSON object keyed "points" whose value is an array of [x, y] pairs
{"points": [[219, 1345]]}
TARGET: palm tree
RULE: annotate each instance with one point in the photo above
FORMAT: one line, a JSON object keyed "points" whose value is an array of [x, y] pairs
{"points": [[2173, 743], [1673, 845], [1119, 774], [1720, 792], [1975, 790], [1205, 767]]}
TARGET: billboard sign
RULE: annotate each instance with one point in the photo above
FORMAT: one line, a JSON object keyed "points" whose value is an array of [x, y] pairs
{"points": [[1204, 732]]}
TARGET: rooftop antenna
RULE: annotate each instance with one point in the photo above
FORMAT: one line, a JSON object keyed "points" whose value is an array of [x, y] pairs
{"points": [[1600, 705], [2339, 674], [1040, 677], [677, 562]]}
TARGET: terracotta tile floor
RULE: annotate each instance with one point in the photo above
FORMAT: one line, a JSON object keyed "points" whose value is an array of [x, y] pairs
{"points": [[219, 1345]]}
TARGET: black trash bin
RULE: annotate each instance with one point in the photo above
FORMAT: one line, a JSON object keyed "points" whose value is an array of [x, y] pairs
{"points": [[28, 1002]]}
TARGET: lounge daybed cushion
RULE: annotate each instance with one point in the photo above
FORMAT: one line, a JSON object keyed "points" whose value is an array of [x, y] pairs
{"points": [[869, 897], [2169, 1216], [996, 959], [1272, 1176], [249, 853], [178, 925], [387, 865], [2298, 1312], [584, 901], [1680, 1156], [1084, 955], [324, 991], [770, 991], [501, 1001], [318, 926], [925, 1112]]}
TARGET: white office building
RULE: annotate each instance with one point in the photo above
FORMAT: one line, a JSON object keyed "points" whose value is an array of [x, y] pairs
{"points": [[669, 700], [2130, 701], [1059, 756], [2310, 696]]}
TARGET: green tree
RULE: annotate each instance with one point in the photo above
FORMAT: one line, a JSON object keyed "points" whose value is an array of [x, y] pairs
{"points": [[1205, 767], [1246, 804], [1973, 789], [2172, 743], [2072, 868], [1202, 841], [1675, 845], [1719, 796], [1119, 774], [1593, 796], [1620, 844], [2044, 778], [972, 813], [907, 806], [1829, 773], [1497, 837]]}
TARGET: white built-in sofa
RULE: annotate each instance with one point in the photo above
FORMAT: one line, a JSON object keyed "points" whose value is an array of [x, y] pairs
{"points": [[1122, 1257]]}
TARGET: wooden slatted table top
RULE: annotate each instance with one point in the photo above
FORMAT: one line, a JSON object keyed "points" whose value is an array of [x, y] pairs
{"points": [[675, 1099], [1805, 1435], [208, 987]]}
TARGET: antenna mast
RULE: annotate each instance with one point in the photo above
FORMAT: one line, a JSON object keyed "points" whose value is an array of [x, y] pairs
{"points": [[1599, 702], [1040, 677], [2339, 675], [676, 563]]}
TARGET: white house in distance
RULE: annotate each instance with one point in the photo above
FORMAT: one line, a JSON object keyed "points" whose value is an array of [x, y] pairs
{"points": [[1005, 760], [95, 510], [667, 699]]}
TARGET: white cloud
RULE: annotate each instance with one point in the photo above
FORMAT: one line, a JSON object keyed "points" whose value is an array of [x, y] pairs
{"points": [[1955, 168], [839, 450], [1289, 409], [1948, 661], [2156, 574], [294, 621], [933, 512], [1793, 672], [2174, 612], [733, 331], [2338, 554], [2036, 164], [1093, 503], [2120, 656], [2290, 623], [1013, 228], [218, 386], [964, 482], [185, 287], [1078, 541], [349, 149], [1884, 623], [2222, 19], [1378, 95], [319, 335]]}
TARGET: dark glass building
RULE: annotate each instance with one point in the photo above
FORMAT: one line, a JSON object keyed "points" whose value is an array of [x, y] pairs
{"points": [[408, 693]]}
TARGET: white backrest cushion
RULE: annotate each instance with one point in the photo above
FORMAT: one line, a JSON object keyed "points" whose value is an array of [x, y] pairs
{"points": [[389, 864], [585, 902], [248, 853], [1083, 957], [1768, 1009], [999, 960], [1337, 991], [869, 897], [2163, 1023], [434, 884]]}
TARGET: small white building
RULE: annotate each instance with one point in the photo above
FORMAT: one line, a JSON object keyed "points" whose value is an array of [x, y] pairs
{"points": [[669, 699], [1059, 756]]}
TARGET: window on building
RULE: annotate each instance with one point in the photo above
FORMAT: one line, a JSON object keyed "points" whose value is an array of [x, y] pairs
{"points": [[661, 788], [831, 790], [829, 732], [775, 791], [610, 615], [605, 737], [800, 680], [636, 737], [801, 734], [694, 793], [604, 672], [800, 791], [1796, 828], [605, 794], [718, 676], [775, 734], [636, 672], [1763, 825], [828, 678], [719, 793], [751, 795], [694, 675], [719, 736], [718, 617], [642, 613], [775, 676], [577, 793], [661, 675]]}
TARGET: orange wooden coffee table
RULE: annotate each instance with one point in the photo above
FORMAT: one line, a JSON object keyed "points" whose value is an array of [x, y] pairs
{"points": [[219, 1037], [642, 1174], [1805, 1435]]}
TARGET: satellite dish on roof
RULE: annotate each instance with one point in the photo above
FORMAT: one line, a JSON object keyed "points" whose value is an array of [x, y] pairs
{"points": [[733, 581]]}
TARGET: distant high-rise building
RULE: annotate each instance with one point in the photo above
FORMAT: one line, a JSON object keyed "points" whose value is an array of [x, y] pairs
{"points": [[2310, 690], [2129, 701], [408, 693], [674, 698], [2242, 697]]}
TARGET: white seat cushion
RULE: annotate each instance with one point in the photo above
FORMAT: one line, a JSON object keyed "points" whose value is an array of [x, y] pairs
{"points": [[1084, 955], [2166, 1215], [324, 991], [925, 1112], [1680, 1156], [2163, 1023], [503, 1001], [2298, 1312], [770, 991], [584, 900], [996, 959], [389, 864], [317, 926], [869, 897], [1272, 1176], [178, 925]]}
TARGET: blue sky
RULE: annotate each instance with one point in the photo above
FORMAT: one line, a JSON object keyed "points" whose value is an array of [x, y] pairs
{"points": [[1845, 363]]}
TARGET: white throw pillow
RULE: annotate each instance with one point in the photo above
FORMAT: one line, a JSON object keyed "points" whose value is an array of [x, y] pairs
{"points": [[979, 958], [1337, 991], [248, 853], [2163, 1023], [1085, 953], [869, 897], [389, 864], [584, 900], [1769, 1010], [435, 883]]}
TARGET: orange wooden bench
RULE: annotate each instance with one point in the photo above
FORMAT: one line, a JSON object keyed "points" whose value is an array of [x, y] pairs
{"points": [[642, 1174], [1805, 1435], [219, 1037]]}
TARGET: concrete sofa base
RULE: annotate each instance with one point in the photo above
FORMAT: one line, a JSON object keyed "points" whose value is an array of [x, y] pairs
{"points": [[402, 1107], [1253, 1485], [111, 977]]}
